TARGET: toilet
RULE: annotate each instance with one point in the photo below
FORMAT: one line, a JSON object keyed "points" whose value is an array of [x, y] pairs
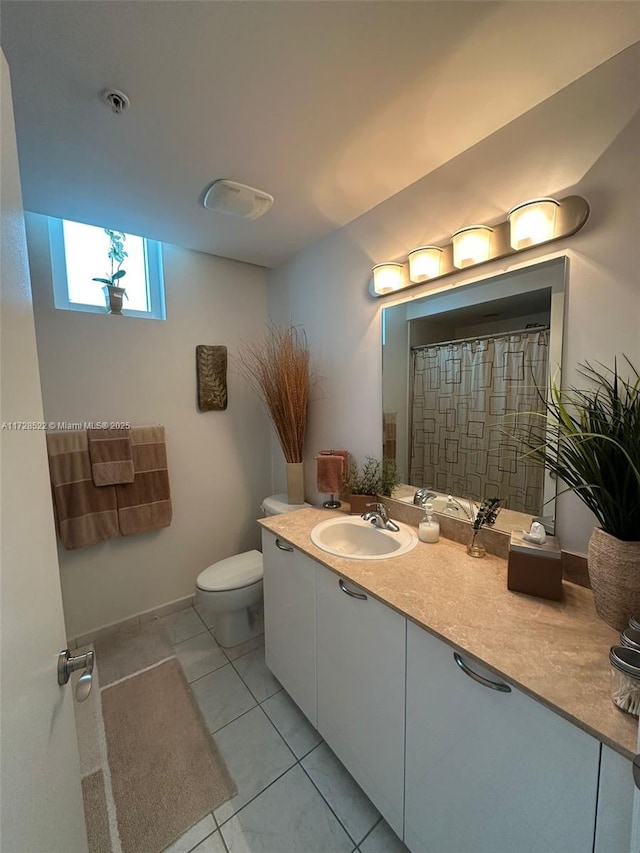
{"points": [[230, 587]]}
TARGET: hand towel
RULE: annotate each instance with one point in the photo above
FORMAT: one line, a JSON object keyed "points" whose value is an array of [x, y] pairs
{"points": [[145, 504], [330, 473], [85, 514], [389, 446], [343, 453], [111, 457]]}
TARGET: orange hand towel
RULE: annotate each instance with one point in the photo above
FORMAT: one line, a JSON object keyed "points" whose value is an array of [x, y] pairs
{"points": [[330, 473]]}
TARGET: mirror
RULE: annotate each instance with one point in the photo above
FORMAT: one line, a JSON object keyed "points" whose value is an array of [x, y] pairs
{"points": [[456, 365]]}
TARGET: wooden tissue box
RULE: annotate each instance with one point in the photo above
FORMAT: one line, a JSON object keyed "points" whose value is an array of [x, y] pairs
{"points": [[535, 569]]}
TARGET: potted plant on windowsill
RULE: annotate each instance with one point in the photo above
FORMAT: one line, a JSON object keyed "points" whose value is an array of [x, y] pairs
{"points": [[591, 441], [113, 292]]}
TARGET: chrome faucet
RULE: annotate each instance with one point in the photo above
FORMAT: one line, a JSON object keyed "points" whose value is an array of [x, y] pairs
{"points": [[379, 518], [423, 496]]}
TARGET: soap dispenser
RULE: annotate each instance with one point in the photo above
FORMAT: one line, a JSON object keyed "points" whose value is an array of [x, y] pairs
{"points": [[429, 529], [451, 508]]}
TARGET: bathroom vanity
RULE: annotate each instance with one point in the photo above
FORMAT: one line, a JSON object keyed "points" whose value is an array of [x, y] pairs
{"points": [[475, 719]]}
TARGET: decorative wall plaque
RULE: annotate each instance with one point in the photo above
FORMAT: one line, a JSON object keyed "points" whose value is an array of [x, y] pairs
{"points": [[211, 369]]}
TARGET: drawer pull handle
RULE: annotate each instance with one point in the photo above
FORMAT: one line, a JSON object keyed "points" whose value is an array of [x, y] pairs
{"points": [[494, 685], [283, 547], [350, 592]]}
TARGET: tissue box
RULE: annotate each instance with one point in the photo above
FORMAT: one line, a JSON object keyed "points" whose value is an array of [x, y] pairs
{"points": [[535, 569]]}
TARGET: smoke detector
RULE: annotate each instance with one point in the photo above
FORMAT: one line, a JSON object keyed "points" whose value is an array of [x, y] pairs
{"points": [[115, 99], [236, 199]]}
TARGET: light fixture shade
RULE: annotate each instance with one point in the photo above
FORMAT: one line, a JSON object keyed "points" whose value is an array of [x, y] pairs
{"points": [[532, 222], [425, 263], [471, 245], [387, 278]]}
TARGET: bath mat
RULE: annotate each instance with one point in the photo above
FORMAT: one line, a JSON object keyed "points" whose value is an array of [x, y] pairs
{"points": [[166, 773], [131, 649]]}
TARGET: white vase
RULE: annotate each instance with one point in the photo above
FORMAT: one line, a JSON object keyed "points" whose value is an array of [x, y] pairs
{"points": [[295, 482]]}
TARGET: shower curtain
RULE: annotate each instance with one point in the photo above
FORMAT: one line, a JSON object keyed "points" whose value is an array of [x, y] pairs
{"points": [[464, 394]]}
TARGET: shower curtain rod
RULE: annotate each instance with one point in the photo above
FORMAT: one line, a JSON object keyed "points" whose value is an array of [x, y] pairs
{"points": [[531, 329]]}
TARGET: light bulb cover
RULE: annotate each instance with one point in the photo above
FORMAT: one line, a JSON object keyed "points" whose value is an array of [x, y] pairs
{"points": [[387, 277], [532, 222], [425, 263], [471, 245]]}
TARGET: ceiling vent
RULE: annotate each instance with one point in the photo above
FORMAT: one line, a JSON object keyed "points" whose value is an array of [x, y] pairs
{"points": [[237, 199], [115, 99]]}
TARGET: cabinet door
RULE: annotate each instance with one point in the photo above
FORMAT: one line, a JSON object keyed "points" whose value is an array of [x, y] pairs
{"points": [[615, 804], [290, 621], [490, 771], [361, 660]]}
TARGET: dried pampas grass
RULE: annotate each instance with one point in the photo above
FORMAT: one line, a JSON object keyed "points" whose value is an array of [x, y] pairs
{"points": [[277, 368]]}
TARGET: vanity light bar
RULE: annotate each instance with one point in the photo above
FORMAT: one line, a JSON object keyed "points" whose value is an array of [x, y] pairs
{"points": [[387, 278], [531, 223]]}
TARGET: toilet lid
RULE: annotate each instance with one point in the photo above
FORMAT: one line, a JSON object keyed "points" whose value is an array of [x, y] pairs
{"points": [[232, 573]]}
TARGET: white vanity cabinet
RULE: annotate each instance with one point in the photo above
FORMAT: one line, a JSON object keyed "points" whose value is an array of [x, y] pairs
{"points": [[361, 683], [490, 771], [615, 804], [290, 620]]}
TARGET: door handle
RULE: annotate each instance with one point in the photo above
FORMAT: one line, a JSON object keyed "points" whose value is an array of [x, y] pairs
{"points": [[636, 770], [350, 592], [493, 685], [283, 547], [68, 664]]}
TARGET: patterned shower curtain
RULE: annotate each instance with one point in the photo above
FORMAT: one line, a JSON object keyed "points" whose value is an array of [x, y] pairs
{"points": [[462, 393]]}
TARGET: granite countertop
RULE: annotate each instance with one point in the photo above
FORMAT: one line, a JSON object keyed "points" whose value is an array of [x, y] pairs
{"points": [[555, 651]]}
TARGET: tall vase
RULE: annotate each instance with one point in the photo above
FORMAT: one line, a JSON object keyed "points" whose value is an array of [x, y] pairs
{"points": [[614, 572], [295, 482]]}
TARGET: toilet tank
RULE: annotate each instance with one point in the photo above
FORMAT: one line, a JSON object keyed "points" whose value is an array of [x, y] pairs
{"points": [[277, 504]]}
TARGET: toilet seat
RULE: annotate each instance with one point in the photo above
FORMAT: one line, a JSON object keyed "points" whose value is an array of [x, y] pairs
{"points": [[235, 572]]}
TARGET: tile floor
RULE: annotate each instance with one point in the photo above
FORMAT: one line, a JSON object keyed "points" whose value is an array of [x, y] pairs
{"points": [[293, 795]]}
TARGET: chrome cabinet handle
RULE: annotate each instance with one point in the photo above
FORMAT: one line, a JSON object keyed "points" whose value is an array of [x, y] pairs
{"points": [[636, 771], [68, 664], [283, 547], [350, 592], [493, 685]]}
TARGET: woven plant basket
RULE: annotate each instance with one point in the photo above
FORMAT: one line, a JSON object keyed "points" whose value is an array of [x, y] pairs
{"points": [[358, 503], [614, 572]]}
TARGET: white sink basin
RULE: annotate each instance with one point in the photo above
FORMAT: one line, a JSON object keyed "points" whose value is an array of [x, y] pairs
{"points": [[357, 539]]}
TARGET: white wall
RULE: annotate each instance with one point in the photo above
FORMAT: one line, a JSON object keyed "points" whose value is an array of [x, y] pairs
{"points": [[103, 367], [584, 140]]}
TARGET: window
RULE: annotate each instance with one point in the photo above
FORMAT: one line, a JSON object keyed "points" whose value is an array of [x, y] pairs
{"points": [[79, 253]]}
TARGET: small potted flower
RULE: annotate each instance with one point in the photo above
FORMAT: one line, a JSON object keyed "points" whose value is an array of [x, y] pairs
{"points": [[362, 484], [485, 516], [114, 294]]}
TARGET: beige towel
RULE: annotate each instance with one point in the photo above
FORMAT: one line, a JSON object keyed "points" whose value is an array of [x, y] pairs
{"points": [[145, 504], [330, 473], [111, 457], [85, 514], [389, 446]]}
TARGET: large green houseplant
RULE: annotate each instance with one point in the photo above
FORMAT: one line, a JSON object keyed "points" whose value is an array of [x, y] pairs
{"points": [[590, 439]]}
